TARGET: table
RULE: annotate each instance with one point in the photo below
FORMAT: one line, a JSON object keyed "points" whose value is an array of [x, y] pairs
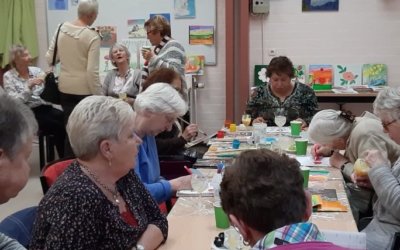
{"points": [[341, 99], [193, 229]]}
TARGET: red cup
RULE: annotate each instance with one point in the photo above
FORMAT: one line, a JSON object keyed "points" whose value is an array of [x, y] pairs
{"points": [[220, 134], [227, 123]]}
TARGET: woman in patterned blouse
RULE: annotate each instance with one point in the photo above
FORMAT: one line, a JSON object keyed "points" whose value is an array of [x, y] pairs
{"points": [[99, 202], [297, 100]]}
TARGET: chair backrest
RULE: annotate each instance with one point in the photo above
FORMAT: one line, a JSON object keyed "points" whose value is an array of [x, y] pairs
{"points": [[396, 241], [51, 172]]}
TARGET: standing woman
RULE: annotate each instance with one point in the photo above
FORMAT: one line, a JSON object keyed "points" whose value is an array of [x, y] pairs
{"points": [[25, 83], [123, 81], [167, 53], [78, 50]]}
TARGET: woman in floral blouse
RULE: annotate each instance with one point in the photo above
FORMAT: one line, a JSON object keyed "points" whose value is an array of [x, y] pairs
{"points": [[99, 202], [296, 100]]}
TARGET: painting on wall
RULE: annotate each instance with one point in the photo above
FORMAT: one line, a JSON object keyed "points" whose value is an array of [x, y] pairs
{"points": [[166, 15], [200, 34], [347, 75], [374, 75], [105, 62], [300, 73], [195, 65], [320, 5], [136, 28], [185, 9], [320, 76], [108, 35], [260, 75], [57, 4], [74, 2]]}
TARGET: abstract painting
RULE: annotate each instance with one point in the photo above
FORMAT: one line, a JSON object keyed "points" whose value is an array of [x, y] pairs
{"points": [[375, 75], [320, 5], [199, 34], [347, 75], [195, 65], [185, 9]]}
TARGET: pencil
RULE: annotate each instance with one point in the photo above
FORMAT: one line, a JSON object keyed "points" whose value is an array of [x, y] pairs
{"points": [[188, 123]]}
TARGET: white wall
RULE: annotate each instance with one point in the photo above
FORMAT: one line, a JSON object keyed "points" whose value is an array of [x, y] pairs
{"points": [[362, 31], [210, 100]]}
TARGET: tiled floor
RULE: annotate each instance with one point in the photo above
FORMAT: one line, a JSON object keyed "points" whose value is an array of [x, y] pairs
{"points": [[31, 194]]}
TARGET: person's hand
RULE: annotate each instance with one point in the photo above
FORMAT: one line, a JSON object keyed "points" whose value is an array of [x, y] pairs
{"points": [[375, 158], [361, 181], [303, 123], [181, 183], [337, 160], [34, 81], [147, 54], [319, 150], [258, 120], [190, 132]]}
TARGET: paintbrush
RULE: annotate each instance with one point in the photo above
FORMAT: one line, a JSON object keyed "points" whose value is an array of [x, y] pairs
{"points": [[188, 123]]}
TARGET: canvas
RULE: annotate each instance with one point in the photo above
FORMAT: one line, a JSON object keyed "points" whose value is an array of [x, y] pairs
{"points": [[375, 75], [320, 74], [136, 28], [185, 9], [347, 75], [260, 75], [195, 65], [300, 73], [320, 5], [201, 35]]}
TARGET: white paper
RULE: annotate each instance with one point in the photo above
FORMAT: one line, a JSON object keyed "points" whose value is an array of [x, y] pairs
{"points": [[352, 240], [309, 161]]}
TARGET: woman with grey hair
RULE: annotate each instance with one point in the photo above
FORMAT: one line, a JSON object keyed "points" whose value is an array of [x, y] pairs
{"points": [[17, 130], [384, 177], [123, 81], [157, 108], [99, 201], [78, 51]]}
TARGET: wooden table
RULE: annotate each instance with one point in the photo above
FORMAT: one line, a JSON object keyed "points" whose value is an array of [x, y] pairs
{"points": [[190, 228], [341, 99]]}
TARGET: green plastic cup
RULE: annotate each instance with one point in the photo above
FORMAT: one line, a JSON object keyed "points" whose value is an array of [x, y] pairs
{"points": [[301, 146], [295, 128], [221, 219], [306, 174]]}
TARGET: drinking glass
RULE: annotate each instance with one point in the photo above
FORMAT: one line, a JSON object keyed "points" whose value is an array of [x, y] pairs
{"points": [[280, 119], [246, 119], [199, 184]]}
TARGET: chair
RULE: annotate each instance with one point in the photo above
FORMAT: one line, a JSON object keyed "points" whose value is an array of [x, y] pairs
{"points": [[49, 153], [19, 225], [52, 170], [396, 241]]}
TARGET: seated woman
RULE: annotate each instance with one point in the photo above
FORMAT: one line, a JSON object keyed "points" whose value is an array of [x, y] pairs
{"points": [[99, 202], [25, 83], [263, 196], [384, 176], [122, 82], [17, 130], [296, 100], [171, 142], [157, 109]]}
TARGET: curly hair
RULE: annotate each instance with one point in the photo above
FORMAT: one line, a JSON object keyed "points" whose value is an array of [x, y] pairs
{"points": [[280, 65], [264, 190], [159, 23]]}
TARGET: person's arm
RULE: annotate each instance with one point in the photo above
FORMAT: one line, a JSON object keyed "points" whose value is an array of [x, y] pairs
{"points": [[92, 70], [172, 58], [160, 191], [15, 88], [6, 243], [152, 237]]}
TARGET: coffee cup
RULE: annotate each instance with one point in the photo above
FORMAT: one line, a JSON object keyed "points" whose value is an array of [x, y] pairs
{"points": [[301, 146], [295, 128], [221, 219], [306, 174]]}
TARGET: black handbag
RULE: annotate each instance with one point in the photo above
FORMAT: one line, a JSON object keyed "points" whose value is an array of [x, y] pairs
{"points": [[51, 93]]}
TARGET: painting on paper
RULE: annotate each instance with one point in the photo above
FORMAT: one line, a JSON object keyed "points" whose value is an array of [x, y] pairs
{"points": [[375, 75], [165, 15], [260, 75], [74, 2], [105, 64], [108, 35], [320, 5], [300, 73], [185, 9], [57, 4], [136, 28], [195, 65], [347, 75], [199, 34], [321, 74]]}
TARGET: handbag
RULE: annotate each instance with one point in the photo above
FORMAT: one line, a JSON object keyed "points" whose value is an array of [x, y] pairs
{"points": [[51, 93]]}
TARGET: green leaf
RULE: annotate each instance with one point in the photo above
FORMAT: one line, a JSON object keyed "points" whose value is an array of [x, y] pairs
{"points": [[352, 82]]}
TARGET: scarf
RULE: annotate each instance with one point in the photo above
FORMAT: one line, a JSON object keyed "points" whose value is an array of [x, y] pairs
{"points": [[157, 49]]}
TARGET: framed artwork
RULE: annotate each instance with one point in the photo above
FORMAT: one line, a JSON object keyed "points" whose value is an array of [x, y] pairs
{"points": [[347, 75], [320, 5], [320, 76], [375, 75]]}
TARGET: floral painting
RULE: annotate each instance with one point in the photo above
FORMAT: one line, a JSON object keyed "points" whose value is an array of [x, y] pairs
{"points": [[374, 75], [300, 73], [260, 75], [347, 75]]}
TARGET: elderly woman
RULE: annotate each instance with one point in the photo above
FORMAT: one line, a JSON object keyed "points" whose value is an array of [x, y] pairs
{"points": [[263, 196], [167, 53], [123, 82], [99, 202], [171, 142], [17, 130], [25, 83], [293, 100], [384, 176], [157, 108]]}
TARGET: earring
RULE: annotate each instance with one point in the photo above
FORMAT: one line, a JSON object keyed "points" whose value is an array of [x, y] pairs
{"points": [[109, 163]]}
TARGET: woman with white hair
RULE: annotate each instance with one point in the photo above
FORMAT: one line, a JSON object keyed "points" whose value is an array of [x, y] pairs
{"points": [[78, 51], [157, 108], [384, 177], [18, 127], [99, 202], [123, 81]]}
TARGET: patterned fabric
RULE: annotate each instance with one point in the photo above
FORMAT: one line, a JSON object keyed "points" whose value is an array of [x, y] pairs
{"points": [[8, 243], [75, 214], [17, 87], [293, 233], [129, 84], [301, 103], [157, 49]]}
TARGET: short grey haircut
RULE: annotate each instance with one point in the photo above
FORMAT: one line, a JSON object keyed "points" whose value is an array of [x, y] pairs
{"points": [[94, 119], [119, 46], [17, 125], [327, 125], [161, 98], [15, 51], [388, 102], [87, 7]]}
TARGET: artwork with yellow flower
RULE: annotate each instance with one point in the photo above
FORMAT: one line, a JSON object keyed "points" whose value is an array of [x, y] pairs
{"points": [[375, 75]]}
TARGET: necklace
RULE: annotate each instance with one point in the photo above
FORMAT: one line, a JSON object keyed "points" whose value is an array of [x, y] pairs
{"points": [[114, 193]]}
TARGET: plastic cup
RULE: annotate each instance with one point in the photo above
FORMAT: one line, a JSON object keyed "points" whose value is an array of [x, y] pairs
{"points": [[301, 146], [295, 128], [221, 219], [235, 144], [306, 174], [227, 123], [220, 134], [232, 127]]}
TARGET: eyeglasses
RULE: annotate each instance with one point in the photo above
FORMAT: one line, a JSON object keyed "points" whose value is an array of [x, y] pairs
{"points": [[149, 31], [387, 124]]}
